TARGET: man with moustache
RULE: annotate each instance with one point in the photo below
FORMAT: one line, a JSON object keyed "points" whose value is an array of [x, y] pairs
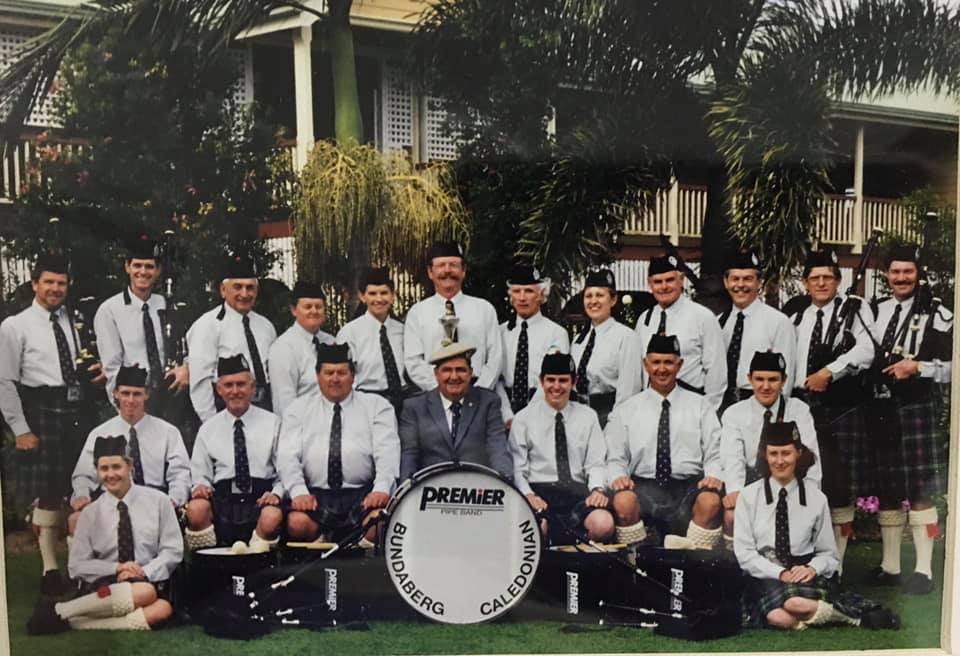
{"points": [[42, 402], [526, 339], [476, 321], [455, 421], [743, 424], [701, 339], [665, 473], [155, 448], [231, 328], [236, 491], [559, 457], [914, 357], [126, 548], [750, 326], [292, 356], [832, 354], [129, 328], [376, 341], [339, 455]]}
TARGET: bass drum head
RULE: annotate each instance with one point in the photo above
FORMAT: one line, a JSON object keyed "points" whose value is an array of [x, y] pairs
{"points": [[462, 545]]}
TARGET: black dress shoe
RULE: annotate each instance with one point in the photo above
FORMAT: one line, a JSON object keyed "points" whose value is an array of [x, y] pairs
{"points": [[918, 584], [54, 584], [879, 577], [45, 620], [880, 618]]}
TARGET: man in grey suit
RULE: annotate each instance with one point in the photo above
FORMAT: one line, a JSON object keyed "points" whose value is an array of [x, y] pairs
{"points": [[454, 421]]}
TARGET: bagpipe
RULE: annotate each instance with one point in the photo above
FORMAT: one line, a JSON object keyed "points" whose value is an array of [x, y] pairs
{"points": [[172, 319]]}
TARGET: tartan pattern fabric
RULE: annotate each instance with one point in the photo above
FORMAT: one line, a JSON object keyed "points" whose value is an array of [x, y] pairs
{"points": [[848, 459], [235, 515], [913, 464], [338, 511], [764, 595], [566, 509]]}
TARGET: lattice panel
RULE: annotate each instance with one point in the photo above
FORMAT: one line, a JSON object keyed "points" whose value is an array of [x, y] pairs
{"points": [[397, 110], [241, 92], [11, 41], [440, 144]]}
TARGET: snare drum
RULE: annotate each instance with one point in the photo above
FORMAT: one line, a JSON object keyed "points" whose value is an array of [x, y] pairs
{"points": [[462, 544]]}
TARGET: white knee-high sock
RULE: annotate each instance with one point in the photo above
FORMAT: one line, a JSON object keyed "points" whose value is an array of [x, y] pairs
{"points": [[923, 523], [842, 519], [891, 532], [117, 603], [133, 621], [48, 522]]}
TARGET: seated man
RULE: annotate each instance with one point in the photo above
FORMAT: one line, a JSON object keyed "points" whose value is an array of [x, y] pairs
{"points": [[339, 454], [126, 548], [236, 491], [668, 470], [744, 421], [155, 447], [455, 421], [559, 456]]}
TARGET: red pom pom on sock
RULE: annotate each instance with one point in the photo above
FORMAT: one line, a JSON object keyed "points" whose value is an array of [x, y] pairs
{"points": [[103, 591]]}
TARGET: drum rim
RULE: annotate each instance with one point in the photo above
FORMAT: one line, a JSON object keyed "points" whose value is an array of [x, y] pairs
{"points": [[220, 552]]}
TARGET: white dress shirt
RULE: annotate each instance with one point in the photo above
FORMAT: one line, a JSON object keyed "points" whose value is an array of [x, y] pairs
{"points": [[478, 327], [157, 543], [701, 347], [534, 446], [163, 457], [857, 359], [610, 358], [217, 334], [121, 339], [631, 435], [363, 336], [764, 329], [293, 365], [811, 531], [29, 356], [740, 437], [369, 444], [213, 460], [937, 369], [543, 336]]}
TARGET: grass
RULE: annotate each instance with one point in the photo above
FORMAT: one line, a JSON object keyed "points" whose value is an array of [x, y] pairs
{"points": [[921, 628]]}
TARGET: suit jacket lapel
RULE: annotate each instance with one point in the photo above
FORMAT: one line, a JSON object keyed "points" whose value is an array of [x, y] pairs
{"points": [[467, 414], [435, 405]]}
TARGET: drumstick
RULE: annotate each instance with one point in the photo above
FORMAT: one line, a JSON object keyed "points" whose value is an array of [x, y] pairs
{"points": [[312, 545]]}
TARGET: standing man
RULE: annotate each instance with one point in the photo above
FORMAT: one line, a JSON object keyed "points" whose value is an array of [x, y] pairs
{"points": [[155, 448], [42, 402], [668, 472], [294, 354], [913, 360], [832, 354], [236, 490], [455, 421], [127, 546], [476, 321], [559, 456], [129, 328], [376, 341], [339, 454], [751, 326], [743, 425], [526, 339], [701, 340], [231, 328]]}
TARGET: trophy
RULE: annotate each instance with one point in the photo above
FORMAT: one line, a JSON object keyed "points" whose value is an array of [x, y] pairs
{"points": [[449, 321]]}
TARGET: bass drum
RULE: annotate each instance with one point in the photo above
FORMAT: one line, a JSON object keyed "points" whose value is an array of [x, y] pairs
{"points": [[462, 544]]}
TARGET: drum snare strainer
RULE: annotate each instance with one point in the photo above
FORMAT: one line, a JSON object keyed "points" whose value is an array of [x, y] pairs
{"points": [[462, 544]]}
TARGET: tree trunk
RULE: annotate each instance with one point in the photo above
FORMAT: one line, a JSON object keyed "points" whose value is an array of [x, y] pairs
{"points": [[343, 67]]}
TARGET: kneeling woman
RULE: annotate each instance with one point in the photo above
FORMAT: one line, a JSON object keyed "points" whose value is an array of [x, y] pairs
{"points": [[784, 542]]}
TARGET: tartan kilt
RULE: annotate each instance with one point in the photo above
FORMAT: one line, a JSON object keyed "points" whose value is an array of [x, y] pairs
{"points": [[236, 515], [846, 450], [566, 506], [338, 511], [164, 588], [913, 462], [764, 595], [45, 472]]}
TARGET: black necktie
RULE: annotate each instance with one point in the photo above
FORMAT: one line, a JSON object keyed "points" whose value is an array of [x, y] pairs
{"points": [[563, 458], [254, 352], [816, 337], [124, 534], [452, 311], [520, 383], [664, 468], [583, 383], [890, 334], [455, 423], [135, 456], [67, 369], [389, 362], [241, 464], [782, 543], [153, 351], [334, 460], [767, 416], [316, 346], [662, 329], [733, 353]]}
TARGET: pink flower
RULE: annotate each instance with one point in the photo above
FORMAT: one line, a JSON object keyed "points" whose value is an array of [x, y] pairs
{"points": [[868, 504]]}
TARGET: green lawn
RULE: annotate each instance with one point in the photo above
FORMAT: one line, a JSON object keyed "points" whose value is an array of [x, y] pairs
{"points": [[921, 628]]}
